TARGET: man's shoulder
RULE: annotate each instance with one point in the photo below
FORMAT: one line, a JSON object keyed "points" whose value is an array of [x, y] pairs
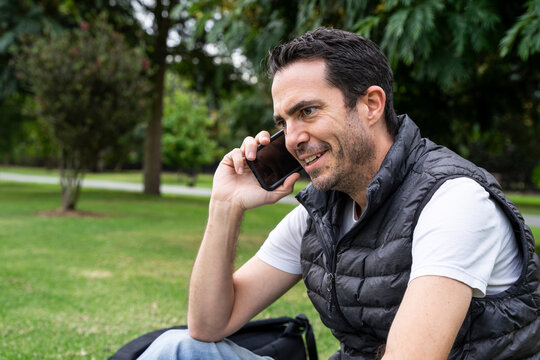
{"points": [[441, 163]]}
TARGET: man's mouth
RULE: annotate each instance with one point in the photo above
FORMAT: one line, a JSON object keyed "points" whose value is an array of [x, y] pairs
{"points": [[310, 159]]}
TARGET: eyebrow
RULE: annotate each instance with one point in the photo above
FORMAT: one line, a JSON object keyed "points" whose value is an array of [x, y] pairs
{"points": [[296, 107]]}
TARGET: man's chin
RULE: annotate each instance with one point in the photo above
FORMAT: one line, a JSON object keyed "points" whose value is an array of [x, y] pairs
{"points": [[323, 184]]}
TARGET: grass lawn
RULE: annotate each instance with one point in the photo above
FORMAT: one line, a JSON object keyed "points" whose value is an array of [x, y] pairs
{"points": [[80, 287]]}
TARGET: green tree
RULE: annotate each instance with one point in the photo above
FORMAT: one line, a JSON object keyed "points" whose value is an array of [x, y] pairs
{"points": [[11, 124], [17, 18], [31, 17], [91, 89], [25, 139], [176, 39], [447, 58], [525, 32], [452, 78], [187, 132]]}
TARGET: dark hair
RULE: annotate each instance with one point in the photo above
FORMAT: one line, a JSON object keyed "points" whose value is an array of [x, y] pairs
{"points": [[353, 63]]}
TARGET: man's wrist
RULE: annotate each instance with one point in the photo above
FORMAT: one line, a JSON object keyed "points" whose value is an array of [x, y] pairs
{"points": [[221, 207], [225, 214]]}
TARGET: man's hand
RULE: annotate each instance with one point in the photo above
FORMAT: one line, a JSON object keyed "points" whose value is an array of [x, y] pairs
{"points": [[234, 182]]}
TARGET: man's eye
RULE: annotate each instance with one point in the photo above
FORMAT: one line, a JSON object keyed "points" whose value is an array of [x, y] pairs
{"points": [[307, 111], [281, 124]]}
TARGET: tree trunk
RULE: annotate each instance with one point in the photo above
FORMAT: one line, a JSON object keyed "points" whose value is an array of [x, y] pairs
{"points": [[70, 181], [152, 153], [71, 188]]}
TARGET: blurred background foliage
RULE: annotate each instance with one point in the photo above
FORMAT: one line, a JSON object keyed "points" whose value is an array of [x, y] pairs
{"points": [[190, 131], [467, 71], [91, 89]]}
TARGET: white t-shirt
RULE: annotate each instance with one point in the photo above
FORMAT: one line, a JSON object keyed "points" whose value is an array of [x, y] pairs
{"points": [[460, 234]]}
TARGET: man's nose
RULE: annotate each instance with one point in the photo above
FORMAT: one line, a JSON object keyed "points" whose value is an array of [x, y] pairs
{"points": [[295, 135]]}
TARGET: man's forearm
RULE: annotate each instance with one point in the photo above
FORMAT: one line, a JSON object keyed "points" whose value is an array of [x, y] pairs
{"points": [[211, 297]]}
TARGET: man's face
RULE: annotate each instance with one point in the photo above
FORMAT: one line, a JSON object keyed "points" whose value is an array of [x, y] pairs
{"points": [[331, 142]]}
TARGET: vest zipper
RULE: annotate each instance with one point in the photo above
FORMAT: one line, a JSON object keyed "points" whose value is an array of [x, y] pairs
{"points": [[330, 287], [330, 254], [331, 277]]}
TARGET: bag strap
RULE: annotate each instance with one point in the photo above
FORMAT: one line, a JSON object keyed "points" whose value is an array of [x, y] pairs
{"points": [[300, 326], [278, 321], [297, 327]]}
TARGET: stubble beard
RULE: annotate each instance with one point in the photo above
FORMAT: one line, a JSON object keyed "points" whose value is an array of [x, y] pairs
{"points": [[354, 155]]}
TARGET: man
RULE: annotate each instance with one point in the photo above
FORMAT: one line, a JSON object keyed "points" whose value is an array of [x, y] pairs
{"points": [[407, 250]]}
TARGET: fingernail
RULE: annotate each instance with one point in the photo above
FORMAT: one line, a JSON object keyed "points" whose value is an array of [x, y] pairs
{"points": [[240, 170], [251, 154]]}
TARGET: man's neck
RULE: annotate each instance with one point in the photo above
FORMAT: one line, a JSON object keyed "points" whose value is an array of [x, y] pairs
{"points": [[359, 195]]}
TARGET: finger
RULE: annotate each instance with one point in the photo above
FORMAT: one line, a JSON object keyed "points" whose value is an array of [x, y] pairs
{"points": [[288, 184], [263, 137], [284, 189], [237, 157], [249, 148]]}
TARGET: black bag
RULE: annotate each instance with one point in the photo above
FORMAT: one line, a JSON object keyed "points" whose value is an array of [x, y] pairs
{"points": [[280, 338]]}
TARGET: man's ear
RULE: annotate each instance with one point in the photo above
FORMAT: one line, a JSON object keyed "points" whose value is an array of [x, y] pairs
{"points": [[374, 99]]}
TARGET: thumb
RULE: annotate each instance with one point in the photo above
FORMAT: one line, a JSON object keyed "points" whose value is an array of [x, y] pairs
{"points": [[288, 184]]}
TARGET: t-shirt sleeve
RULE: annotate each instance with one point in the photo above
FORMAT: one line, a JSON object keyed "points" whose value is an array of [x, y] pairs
{"points": [[282, 247], [458, 235]]}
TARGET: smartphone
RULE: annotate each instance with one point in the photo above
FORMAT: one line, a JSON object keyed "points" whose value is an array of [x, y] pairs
{"points": [[274, 163]]}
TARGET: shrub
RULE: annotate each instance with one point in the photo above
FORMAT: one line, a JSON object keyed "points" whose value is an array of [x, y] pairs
{"points": [[91, 89]]}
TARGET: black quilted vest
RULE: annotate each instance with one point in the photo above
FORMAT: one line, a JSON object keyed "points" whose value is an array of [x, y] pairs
{"points": [[357, 282]]}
